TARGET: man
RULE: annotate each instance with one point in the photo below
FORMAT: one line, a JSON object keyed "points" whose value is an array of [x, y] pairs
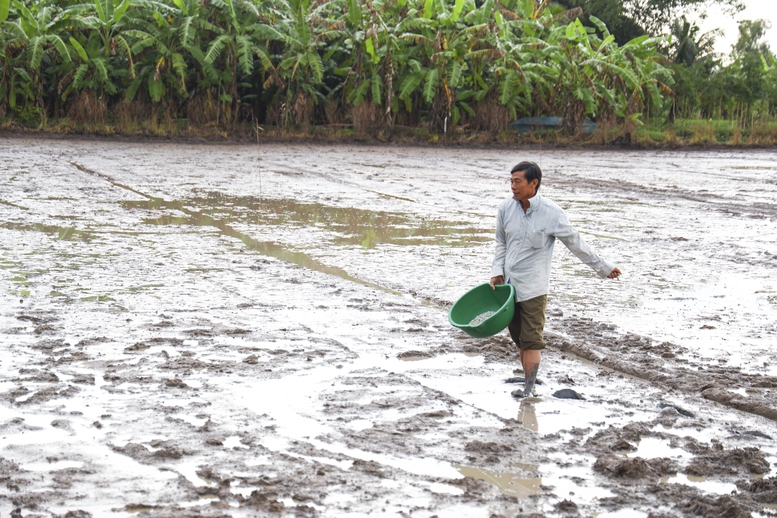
{"points": [[527, 227]]}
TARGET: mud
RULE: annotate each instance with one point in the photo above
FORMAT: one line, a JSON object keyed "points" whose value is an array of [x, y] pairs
{"points": [[262, 331]]}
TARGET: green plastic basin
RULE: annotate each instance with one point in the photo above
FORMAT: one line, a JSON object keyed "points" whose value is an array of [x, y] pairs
{"points": [[479, 300]]}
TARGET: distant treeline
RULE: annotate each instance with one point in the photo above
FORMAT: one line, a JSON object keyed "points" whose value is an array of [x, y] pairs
{"points": [[436, 63], [743, 87], [739, 86]]}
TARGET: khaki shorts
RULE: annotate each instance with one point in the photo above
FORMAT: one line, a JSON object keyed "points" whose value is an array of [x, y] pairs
{"points": [[528, 323]]}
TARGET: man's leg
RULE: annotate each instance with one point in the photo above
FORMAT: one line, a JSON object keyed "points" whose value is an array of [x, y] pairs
{"points": [[522, 358], [514, 327], [531, 365], [532, 325]]}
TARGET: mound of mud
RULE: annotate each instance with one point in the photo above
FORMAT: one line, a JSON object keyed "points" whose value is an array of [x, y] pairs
{"points": [[486, 447], [567, 506], [263, 500], [662, 364], [498, 347], [754, 404], [609, 441], [413, 355], [163, 450], [739, 461], [712, 507], [614, 440], [763, 490], [637, 468], [491, 451]]}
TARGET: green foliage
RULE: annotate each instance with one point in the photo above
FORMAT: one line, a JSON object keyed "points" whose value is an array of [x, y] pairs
{"points": [[434, 62], [628, 19], [612, 13], [688, 45], [744, 89]]}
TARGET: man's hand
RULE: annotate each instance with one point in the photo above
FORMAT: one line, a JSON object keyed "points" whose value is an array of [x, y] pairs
{"points": [[613, 275], [501, 280]]}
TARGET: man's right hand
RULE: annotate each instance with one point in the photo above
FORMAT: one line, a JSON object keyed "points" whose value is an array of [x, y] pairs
{"points": [[497, 280]]}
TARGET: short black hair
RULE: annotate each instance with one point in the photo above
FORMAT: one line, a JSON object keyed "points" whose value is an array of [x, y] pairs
{"points": [[531, 172]]}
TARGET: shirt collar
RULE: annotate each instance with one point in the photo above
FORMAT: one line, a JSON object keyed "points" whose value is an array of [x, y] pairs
{"points": [[534, 202]]}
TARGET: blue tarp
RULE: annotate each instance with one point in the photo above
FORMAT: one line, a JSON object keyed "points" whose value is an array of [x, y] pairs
{"points": [[539, 123]]}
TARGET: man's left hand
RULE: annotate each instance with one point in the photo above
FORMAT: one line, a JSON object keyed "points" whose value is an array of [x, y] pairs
{"points": [[614, 274]]}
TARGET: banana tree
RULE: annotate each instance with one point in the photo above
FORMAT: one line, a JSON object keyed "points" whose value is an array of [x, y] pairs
{"points": [[300, 68], [440, 43], [371, 46], [228, 61], [92, 72], [33, 40], [107, 18], [101, 47], [596, 73], [158, 52]]}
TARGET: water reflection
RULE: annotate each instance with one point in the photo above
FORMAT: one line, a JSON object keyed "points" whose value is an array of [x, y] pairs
{"points": [[63, 233], [353, 225], [518, 485], [264, 247], [527, 416]]}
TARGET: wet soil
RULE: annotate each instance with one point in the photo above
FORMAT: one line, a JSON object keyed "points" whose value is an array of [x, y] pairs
{"points": [[262, 331]]}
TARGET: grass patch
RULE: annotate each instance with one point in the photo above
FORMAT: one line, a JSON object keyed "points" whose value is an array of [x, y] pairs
{"points": [[129, 121]]}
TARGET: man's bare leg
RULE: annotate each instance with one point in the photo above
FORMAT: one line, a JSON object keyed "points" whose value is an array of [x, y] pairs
{"points": [[531, 365]]}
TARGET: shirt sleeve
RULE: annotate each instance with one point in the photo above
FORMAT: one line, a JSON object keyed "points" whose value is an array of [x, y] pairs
{"points": [[567, 234], [500, 248]]}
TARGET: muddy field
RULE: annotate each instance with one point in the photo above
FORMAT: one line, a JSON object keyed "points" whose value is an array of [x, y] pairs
{"points": [[261, 330]]}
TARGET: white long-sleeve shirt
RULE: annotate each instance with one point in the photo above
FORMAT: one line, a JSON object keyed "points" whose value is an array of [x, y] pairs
{"points": [[524, 245]]}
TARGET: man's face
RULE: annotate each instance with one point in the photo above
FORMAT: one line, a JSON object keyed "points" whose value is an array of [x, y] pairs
{"points": [[522, 190]]}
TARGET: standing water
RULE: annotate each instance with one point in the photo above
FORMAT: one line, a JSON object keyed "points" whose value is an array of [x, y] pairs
{"points": [[177, 334]]}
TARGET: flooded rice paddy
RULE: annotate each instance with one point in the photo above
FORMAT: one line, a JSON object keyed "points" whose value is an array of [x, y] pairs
{"points": [[261, 330]]}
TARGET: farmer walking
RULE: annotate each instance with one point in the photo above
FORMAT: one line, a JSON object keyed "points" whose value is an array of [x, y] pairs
{"points": [[527, 227]]}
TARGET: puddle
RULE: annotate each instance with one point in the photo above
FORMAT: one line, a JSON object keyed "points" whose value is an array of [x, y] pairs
{"points": [[702, 484], [204, 499], [414, 358], [189, 471], [511, 483], [264, 247], [355, 226], [527, 416], [652, 448], [134, 509], [357, 425], [234, 442], [623, 513], [52, 466], [445, 489], [62, 233]]}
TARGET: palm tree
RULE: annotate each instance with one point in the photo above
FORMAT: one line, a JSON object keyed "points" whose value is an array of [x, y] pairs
{"points": [[688, 47]]}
